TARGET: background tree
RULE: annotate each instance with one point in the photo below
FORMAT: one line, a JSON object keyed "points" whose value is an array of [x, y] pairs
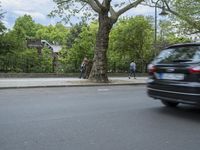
{"points": [[131, 39], [25, 27], [74, 32], [186, 13], [108, 13], [170, 34], [13, 51], [54, 34], [78, 47], [189, 16], [14, 54]]}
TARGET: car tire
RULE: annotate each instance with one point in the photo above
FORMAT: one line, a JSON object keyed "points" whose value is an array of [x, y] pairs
{"points": [[169, 104]]}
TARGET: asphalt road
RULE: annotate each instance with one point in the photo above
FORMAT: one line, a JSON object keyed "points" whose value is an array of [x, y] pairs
{"points": [[94, 118]]}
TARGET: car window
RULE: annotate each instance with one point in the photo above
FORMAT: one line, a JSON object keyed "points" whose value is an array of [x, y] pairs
{"points": [[184, 54]]}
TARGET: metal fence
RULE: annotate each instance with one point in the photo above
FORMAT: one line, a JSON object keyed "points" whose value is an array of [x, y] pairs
{"points": [[12, 63], [16, 63]]}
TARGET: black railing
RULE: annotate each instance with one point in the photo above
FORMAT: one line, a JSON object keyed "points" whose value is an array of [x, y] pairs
{"points": [[15, 63], [12, 63]]}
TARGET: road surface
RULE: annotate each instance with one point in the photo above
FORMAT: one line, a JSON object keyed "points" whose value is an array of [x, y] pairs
{"points": [[94, 118]]}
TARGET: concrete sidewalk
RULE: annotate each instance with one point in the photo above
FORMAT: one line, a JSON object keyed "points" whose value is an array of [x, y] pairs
{"points": [[6, 83]]}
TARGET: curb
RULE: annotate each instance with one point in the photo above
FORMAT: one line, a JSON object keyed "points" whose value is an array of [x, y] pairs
{"points": [[74, 85]]}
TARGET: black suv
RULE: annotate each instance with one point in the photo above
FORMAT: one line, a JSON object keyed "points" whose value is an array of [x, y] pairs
{"points": [[174, 75]]}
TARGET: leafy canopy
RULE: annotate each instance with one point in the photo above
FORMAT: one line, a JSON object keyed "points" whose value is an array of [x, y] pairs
{"points": [[90, 9], [2, 27]]}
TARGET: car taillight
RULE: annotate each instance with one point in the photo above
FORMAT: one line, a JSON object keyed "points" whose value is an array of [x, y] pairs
{"points": [[195, 69], [151, 68]]}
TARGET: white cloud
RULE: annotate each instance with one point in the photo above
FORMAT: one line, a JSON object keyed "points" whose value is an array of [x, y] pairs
{"points": [[33, 14], [37, 9], [43, 5], [140, 10]]}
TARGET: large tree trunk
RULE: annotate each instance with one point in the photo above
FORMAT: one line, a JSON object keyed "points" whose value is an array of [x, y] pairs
{"points": [[99, 68]]}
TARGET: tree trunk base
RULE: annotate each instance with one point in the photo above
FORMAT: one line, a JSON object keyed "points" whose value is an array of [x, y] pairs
{"points": [[99, 78]]}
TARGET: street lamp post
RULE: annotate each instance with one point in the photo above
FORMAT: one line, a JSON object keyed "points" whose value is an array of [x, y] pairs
{"points": [[155, 32], [163, 13]]}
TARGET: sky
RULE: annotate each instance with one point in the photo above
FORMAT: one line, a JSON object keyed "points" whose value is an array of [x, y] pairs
{"points": [[39, 9]]}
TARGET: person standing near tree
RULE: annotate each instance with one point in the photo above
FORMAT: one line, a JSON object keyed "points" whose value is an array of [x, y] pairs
{"points": [[132, 70], [83, 67]]}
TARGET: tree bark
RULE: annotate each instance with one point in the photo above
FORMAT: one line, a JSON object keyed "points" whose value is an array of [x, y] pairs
{"points": [[99, 68]]}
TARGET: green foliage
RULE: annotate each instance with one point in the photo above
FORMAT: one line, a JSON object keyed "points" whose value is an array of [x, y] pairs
{"points": [[131, 39], [169, 35], [53, 34], [25, 27], [14, 55], [74, 34], [45, 61], [83, 45], [26, 61], [189, 22], [10, 43]]}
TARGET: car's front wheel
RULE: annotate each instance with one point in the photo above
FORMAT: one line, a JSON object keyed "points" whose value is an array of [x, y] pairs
{"points": [[169, 103]]}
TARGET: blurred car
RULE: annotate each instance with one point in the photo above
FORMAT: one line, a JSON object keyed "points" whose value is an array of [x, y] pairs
{"points": [[174, 75]]}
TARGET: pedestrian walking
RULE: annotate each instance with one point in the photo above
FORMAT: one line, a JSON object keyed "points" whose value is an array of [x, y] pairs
{"points": [[132, 70]]}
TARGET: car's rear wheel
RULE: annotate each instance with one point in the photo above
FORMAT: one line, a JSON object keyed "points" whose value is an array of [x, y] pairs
{"points": [[169, 103]]}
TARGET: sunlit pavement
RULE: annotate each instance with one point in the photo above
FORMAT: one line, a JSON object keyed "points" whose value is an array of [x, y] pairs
{"points": [[60, 82]]}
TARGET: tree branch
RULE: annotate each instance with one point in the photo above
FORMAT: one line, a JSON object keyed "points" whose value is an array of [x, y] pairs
{"points": [[62, 2], [128, 7], [106, 4], [113, 14], [189, 21], [99, 4], [81, 8], [94, 5]]}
